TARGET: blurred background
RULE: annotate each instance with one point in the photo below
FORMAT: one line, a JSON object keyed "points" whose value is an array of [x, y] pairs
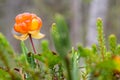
{"points": [[80, 16]]}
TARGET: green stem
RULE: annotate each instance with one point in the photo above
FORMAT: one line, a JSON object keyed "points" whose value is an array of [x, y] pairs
{"points": [[67, 64]]}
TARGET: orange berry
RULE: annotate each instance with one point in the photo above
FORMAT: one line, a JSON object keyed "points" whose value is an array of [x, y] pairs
{"points": [[27, 22]]}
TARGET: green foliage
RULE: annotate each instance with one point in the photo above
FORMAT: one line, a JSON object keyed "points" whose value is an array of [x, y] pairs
{"points": [[101, 40], [60, 35], [27, 57], [112, 43], [48, 57], [117, 51], [98, 63], [7, 60], [31, 60], [24, 51], [4, 75], [94, 48], [84, 52], [6, 53], [75, 65]]}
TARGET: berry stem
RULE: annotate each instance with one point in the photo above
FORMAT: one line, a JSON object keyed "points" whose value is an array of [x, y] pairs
{"points": [[33, 48], [32, 43]]}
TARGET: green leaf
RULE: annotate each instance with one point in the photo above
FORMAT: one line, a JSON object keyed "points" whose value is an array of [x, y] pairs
{"points": [[27, 56], [48, 57], [75, 63], [94, 49], [31, 60], [84, 52], [45, 45], [7, 57], [60, 35], [4, 75], [24, 51]]}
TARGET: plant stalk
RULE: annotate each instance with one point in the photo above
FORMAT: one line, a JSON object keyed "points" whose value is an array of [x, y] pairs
{"points": [[32, 43], [33, 47], [67, 64]]}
